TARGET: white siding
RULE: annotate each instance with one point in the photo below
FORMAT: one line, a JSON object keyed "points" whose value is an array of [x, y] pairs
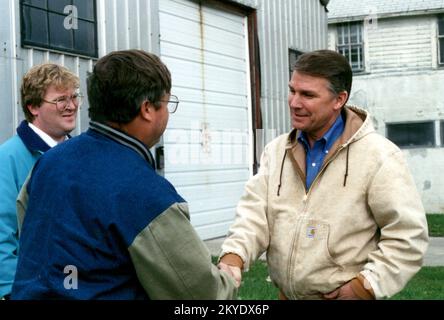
{"points": [[400, 44], [349, 9]]}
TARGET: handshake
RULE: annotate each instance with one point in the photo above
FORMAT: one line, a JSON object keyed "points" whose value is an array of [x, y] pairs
{"points": [[233, 271]]}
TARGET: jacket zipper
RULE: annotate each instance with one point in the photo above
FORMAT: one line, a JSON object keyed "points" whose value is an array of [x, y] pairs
{"points": [[296, 234]]}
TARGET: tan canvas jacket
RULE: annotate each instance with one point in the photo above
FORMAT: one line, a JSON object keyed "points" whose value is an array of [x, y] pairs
{"points": [[362, 214]]}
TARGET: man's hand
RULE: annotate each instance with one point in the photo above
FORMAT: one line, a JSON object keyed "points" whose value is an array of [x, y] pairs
{"points": [[342, 293], [233, 271], [352, 290]]}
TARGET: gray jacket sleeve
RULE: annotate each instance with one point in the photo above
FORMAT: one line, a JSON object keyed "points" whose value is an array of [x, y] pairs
{"points": [[172, 262], [22, 203]]}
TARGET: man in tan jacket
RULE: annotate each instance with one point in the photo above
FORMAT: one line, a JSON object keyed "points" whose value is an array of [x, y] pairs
{"points": [[333, 205]]}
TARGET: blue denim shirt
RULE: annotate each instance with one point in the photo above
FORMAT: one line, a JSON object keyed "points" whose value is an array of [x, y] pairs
{"points": [[315, 156]]}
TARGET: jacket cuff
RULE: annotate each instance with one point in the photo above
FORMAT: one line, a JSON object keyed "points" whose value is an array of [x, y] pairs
{"points": [[362, 288], [232, 259]]}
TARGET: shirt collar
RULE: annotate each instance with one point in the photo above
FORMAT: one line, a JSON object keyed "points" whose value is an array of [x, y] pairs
{"points": [[329, 137], [125, 139], [31, 139], [44, 136]]}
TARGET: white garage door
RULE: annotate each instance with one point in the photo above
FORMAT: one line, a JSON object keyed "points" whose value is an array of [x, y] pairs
{"points": [[208, 140]]}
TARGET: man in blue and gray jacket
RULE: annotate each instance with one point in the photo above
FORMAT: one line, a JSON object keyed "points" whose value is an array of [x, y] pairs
{"points": [[50, 102], [100, 223]]}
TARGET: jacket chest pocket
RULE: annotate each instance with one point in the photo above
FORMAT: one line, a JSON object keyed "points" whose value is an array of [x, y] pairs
{"points": [[313, 243]]}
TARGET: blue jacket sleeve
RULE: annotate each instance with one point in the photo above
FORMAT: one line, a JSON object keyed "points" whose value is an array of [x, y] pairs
{"points": [[9, 188]]}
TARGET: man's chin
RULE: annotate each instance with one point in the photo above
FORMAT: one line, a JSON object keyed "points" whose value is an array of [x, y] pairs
{"points": [[297, 125], [69, 129]]}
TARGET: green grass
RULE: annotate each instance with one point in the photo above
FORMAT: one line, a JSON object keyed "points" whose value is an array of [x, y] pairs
{"points": [[436, 225], [256, 284], [427, 284]]}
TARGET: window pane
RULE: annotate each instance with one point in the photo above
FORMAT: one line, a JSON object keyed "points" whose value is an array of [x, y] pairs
{"points": [[35, 26], [341, 35], [59, 37], [36, 3], [412, 134], [441, 50], [442, 133], [58, 5], [359, 32], [85, 9], [45, 28], [85, 38], [345, 51], [441, 25], [353, 33], [356, 58]]}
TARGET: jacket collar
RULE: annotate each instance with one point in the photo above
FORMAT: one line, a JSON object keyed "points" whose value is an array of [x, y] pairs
{"points": [[124, 139], [31, 139]]}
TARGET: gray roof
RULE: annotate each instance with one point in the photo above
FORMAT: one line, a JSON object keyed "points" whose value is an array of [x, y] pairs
{"points": [[340, 10]]}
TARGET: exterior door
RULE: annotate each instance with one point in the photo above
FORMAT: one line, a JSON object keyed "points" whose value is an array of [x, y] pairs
{"points": [[208, 140]]}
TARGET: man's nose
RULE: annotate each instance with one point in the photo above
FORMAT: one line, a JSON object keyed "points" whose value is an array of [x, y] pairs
{"points": [[294, 100], [71, 105]]}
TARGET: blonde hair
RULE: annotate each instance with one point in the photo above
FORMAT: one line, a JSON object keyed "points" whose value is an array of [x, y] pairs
{"points": [[37, 80]]}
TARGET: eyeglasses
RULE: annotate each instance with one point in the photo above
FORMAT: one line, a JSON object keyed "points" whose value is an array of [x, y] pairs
{"points": [[63, 102], [172, 103]]}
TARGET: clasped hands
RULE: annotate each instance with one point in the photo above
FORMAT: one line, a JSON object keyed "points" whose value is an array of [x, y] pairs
{"points": [[233, 271]]}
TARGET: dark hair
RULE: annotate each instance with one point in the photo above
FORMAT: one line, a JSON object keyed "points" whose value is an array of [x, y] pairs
{"points": [[329, 65], [121, 80]]}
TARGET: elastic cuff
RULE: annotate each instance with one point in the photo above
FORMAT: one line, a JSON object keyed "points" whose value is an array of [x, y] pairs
{"points": [[232, 259]]}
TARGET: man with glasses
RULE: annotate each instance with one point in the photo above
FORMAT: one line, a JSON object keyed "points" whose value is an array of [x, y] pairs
{"points": [[50, 103], [100, 222]]}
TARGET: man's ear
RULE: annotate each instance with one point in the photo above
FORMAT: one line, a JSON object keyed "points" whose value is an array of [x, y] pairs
{"points": [[147, 110], [33, 109], [341, 98]]}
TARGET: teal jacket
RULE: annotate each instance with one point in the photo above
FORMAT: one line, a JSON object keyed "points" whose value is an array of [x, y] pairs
{"points": [[17, 157]]}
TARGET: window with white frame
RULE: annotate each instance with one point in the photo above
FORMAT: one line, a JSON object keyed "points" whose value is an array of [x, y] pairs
{"points": [[412, 134], [63, 25], [441, 40], [350, 44]]}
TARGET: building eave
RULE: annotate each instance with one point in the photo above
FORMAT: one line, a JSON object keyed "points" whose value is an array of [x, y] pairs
{"points": [[386, 15]]}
